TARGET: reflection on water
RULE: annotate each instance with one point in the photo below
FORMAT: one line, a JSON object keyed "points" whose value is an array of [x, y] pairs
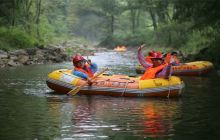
{"points": [[30, 110], [104, 117]]}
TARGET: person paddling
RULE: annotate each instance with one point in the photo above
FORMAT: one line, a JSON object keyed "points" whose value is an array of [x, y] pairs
{"points": [[158, 68], [83, 68], [172, 58]]}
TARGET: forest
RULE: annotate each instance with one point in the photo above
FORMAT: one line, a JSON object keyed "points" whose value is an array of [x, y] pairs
{"points": [[190, 26]]}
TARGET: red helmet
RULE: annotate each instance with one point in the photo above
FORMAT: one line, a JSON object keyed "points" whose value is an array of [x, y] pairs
{"points": [[77, 58], [157, 55], [151, 53]]}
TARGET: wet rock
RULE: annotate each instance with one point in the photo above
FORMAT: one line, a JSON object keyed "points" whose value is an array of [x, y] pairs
{"points": [[23, 58], [30, 62], [3, 54], [12, 63], [45, 54]]}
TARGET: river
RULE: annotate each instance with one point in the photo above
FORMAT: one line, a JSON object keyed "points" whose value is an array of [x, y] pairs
{"points": [[30, 110]]}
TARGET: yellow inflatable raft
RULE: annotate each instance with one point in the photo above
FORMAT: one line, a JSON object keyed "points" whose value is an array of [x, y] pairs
{"points": [[62, 81], [189, 69]]}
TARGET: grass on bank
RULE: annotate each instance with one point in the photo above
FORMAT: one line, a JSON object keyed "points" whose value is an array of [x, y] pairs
{"points": [[16, 38]]}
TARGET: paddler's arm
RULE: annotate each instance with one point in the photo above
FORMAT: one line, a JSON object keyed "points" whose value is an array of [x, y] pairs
{"points": [[141, 58]]}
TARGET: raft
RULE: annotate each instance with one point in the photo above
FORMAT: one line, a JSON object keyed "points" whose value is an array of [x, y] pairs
{"points": [[120, 49], [196, 68], [62, 81]]}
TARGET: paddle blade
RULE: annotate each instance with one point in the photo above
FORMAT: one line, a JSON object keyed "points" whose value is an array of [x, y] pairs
{"points": [[74, 91]]}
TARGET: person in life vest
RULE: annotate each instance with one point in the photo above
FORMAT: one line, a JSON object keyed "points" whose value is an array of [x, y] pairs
{"points": [[83, 68], [172, 58], [158, 68], [148, 58]]}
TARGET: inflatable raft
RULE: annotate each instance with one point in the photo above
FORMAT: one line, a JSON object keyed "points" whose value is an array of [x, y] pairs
{"points": [[123, 49], [188, 69], [62, 81]]}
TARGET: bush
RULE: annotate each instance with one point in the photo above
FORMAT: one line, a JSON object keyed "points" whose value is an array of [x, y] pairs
{"points": [[12, 38], [198, 40], [172, 35], [128, 39]]}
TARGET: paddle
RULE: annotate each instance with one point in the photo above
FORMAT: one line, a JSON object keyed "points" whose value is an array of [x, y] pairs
{"points": [[77, 89], [169, 78]]}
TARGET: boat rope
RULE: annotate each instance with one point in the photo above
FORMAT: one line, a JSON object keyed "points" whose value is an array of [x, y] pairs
{"points": [[168, 96], [126, 85]]}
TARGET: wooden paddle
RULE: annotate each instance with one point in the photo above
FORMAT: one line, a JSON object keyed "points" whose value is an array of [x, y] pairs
{"points": [[77, 89]]}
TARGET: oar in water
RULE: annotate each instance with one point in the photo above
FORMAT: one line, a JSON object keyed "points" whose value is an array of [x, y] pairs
{"points": [[169, 79], [77, 89]]}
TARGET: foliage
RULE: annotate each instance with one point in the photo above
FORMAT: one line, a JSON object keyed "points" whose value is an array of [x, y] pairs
{"points": [[15, 38], [198, 40], [180, 24], [173, 34]]}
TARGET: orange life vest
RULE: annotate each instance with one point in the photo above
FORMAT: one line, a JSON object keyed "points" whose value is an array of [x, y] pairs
{"points": [[86, 70], [151, 72], [174, 58], [148, 59]]}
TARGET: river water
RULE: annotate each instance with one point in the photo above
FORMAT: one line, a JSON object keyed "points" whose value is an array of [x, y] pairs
{"points": [[30, 110]]}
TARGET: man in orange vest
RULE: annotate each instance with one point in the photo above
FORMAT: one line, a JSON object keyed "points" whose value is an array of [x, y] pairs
{"points": [[158, 68], [148, 58], [83, 68], [172, 58]]}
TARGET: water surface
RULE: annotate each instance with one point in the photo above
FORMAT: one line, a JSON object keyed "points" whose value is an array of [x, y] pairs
{"points": [[30, 110]]}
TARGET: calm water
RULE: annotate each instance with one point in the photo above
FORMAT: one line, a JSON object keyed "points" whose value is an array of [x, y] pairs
{"points": [[30, 110]]}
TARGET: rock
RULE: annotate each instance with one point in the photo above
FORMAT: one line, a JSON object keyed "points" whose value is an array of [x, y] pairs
{"points": [[29, 62], [3, 54], [58, 59], [12, 63], [13, 57], [31, 51], [18, 52], [39, 56], [23, 58], [40, 53], [51, 57], [40, 46]]}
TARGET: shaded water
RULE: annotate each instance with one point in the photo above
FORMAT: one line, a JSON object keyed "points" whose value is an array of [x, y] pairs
{"points": [[30, 110]]}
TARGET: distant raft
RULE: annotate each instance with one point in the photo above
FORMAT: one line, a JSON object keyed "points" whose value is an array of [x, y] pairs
{"points": [[62, 81], [120, 49], [188, 69]]}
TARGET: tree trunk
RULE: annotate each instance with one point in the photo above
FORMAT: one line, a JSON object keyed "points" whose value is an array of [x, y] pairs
{"points": [[133, 20], [153, 19], [27, 24], [112, 24], [38, 13], [13, 13], [138, 18]]}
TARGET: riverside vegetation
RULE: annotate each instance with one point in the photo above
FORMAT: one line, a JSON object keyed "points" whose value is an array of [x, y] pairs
{"points": [[189, 26]]}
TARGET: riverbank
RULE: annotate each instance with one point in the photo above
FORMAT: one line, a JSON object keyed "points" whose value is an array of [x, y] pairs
{"points": [[45, 54]]}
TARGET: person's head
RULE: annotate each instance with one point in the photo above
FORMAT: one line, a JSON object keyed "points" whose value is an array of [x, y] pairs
{"points": [[78, 61], [174, 53], [157, 59]]}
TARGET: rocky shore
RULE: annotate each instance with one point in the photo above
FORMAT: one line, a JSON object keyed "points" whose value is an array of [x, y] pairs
{"points": [[44, 54]]}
